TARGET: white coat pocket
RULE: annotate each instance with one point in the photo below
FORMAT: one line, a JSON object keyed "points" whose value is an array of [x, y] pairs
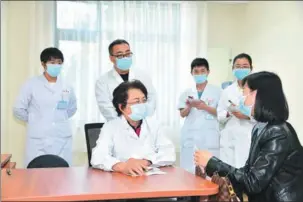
{"points": [[62, 105]]}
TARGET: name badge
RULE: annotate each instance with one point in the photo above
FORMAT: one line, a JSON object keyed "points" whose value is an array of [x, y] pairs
{"points": [[62, 105], [209, 102], [209, 117]]}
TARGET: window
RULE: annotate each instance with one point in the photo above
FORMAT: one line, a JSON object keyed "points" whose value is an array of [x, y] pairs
{"points": [[85, 29], [158, 37]]}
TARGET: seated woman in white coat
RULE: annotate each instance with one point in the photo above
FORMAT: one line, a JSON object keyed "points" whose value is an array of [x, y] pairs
{"points": [[131, 142]]}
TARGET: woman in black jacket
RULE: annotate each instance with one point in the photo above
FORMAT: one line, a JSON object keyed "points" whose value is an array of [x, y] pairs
{"points": [[274, 169]]}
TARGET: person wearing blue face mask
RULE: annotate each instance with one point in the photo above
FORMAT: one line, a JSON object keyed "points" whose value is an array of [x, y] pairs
{"points": [[46, 103], [132, 141], [198, 106], [121, 57], [235, 119], [273, 171]]}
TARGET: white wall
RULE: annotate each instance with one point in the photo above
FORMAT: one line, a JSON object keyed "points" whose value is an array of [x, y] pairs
{"points": [[274, 38], [4, 14], [225, 36], [225, 26], [14, 71], [272, 33]]}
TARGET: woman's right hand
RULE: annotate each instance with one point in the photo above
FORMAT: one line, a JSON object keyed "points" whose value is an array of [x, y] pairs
{"points": [[133, 167], [239, 115], [201, 157]]}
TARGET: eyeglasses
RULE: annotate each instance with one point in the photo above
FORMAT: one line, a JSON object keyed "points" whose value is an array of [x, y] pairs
{"points": [[137, 102], [126, 55], [243, 67]]}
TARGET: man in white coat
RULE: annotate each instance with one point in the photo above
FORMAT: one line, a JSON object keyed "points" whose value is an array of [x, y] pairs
{"points": [[121, 57], [235, 136], [46, 103], [198, 106]]}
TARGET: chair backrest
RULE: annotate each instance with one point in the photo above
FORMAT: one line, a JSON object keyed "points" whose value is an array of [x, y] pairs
{"points": [[92, 132], [226, 84], [48, 161]]}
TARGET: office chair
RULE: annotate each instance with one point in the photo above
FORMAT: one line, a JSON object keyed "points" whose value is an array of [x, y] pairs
{"points": [[92, 131], [226, 84], [48, 161]]}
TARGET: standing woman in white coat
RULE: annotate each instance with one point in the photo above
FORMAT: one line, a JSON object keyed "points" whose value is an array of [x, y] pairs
{"points": [[198, 106], [132, 141], [237, 125], [46, 103]]}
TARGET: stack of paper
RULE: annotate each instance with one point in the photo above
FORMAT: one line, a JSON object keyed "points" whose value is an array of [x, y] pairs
{"points": [[152, 171]]}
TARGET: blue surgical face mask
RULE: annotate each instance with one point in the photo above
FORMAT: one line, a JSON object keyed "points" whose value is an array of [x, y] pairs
{"points": [[200, 78], [53, 69], [139, 112], [124, 63], [244, 109], [241, 73]]}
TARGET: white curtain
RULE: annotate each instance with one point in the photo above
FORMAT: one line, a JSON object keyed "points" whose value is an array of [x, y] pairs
{"points": [[164, 37]]}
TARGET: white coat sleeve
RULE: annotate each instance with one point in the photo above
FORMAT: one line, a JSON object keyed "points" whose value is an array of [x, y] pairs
{"points": [[222, 108], [152, 96], [165, 154], [72, 105], [182, 101], [104, 102], [22, 103], [218, 97], [102, 154]]}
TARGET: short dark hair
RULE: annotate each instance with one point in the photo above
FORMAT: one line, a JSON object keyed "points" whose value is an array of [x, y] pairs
{"points": [[116, 42], [51, 53], [120, 93], [271, 104], [198, 62], [243, 55]]}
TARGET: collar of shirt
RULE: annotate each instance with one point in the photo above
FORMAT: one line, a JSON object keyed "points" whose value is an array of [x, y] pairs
{"points": [[260, 126], [124, 76], [137, 129], [200, 94]]}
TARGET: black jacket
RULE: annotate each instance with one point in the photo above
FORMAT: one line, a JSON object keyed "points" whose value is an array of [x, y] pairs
{"points": [[274, 169]]}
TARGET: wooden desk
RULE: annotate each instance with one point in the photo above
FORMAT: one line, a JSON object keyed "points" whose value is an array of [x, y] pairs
{"points": [[83, 184], [5, 158]]}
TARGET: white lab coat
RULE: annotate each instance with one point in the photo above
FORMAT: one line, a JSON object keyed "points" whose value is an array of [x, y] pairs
{"points": [[235, 136], [106, 85], [48, 128], [200, 129], [118, 142]]}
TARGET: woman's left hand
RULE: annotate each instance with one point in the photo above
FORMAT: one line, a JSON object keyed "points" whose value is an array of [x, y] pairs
{"points": [[201, 157]]}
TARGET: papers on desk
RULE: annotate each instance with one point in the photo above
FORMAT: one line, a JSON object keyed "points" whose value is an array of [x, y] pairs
{"points": [[152, 171]]}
